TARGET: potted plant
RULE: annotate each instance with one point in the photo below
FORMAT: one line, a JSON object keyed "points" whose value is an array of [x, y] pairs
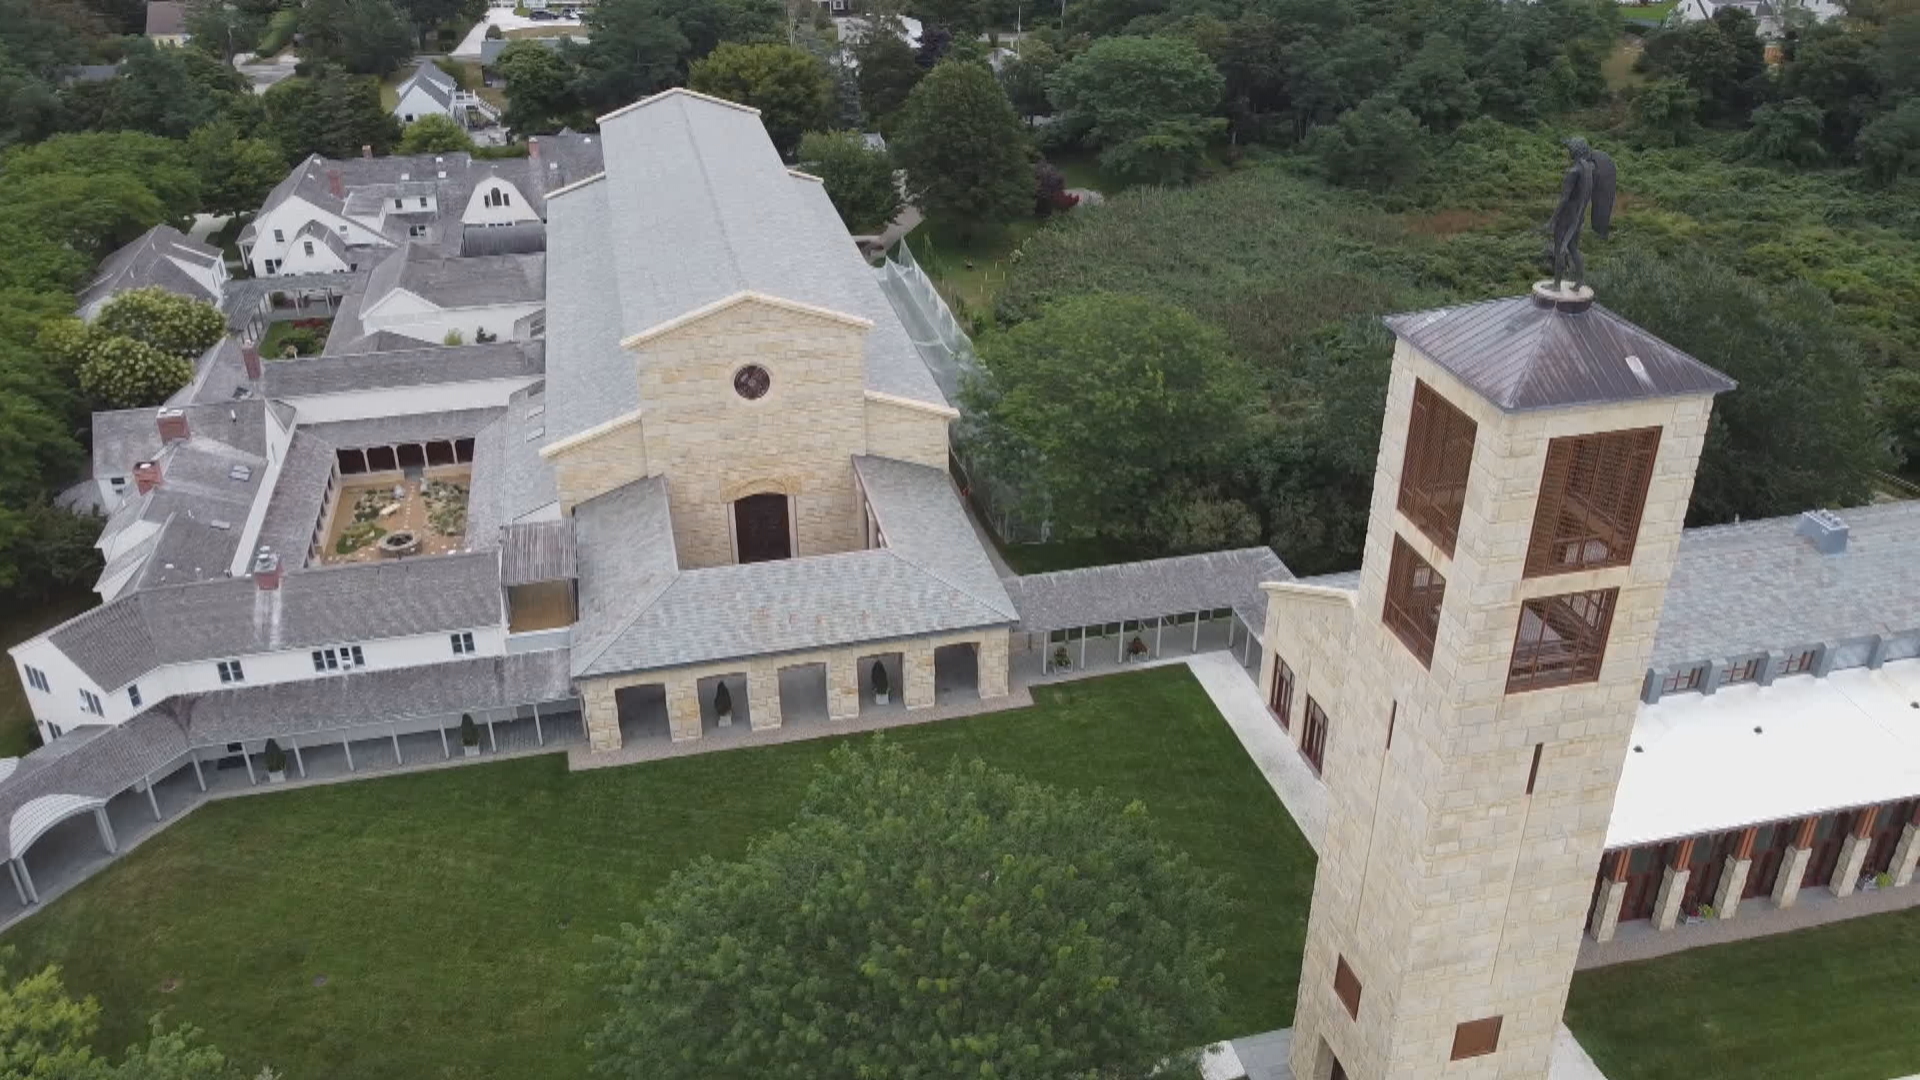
{"points": [[880, 684], [276, 762], [1060, 658], [1883, 880], [1706, 912], [1136, 648], [469, 736], [723, 704]]}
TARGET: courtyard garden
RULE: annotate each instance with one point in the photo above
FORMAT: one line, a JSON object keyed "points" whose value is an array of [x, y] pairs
{"points": [[435, 924], [304, 337], [431, 513], [1838, 1002]]}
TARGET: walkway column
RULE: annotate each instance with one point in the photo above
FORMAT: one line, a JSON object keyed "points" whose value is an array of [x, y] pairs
{"points": [[18, 888], [540, 733], [1853, 852], [346, 745], [683, 706], [33, 894], [843, 685], [298, 761], [152, 800], [601, 712], [1198, 617], [106, 829], [198, 776], [990, 665], [917, 664], [247, 758], [395, 736], [1613, 893], [1733, 880], [1793, 864], [1906, 855], [763, 695], [1083, 648], [1159, 625], [1673, 886]]}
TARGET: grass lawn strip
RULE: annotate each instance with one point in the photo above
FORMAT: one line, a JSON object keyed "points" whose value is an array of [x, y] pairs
{"points": [[450, 911], [1836, 1002]]}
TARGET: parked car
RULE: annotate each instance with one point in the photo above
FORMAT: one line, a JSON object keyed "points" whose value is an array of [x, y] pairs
{"points": [[542, 16]]}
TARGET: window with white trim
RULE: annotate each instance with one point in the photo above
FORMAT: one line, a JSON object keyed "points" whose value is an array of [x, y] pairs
{"points": [[279, 236], [230, 672], [38, 680], [339, 658], [133, 694], [90, 702], [306, 246], [463, 643], [423, 202], [416, 230]]}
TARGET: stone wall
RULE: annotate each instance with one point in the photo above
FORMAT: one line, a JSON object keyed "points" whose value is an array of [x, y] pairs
{"points": [[611, 459], [1453, 893]]}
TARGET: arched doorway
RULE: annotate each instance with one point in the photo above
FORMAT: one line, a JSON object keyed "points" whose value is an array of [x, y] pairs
{"points": [[762, 528]]}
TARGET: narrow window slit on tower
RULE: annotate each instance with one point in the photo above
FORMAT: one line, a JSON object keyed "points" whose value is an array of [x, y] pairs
{"points": [[1393, 714], [1346, 987], [1476, 1038], [1533, 774]]}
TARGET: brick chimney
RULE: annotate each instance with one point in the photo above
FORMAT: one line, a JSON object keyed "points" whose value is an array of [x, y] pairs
{"points": [[533, 148], [335, 185], [266, 570], [173, 425], [250, 359], [146, 475]]}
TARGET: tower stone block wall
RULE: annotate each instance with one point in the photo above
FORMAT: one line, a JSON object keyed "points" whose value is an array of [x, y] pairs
{"points": [[1452, 892]]}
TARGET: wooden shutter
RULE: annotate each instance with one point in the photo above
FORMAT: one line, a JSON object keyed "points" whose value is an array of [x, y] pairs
{"points": [[1433, 475]]}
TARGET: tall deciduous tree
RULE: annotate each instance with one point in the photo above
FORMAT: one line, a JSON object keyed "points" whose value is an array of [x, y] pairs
{"points": [[1145, 102], [367, 37], [1795, 434], [887, 71], [45, 1034], [330, 113], [1380, 146], [1090, 950], [858, 179], [963, 149], [235, 172], [635, 48], [434, 134], [792, 89], [1111, 399], [540, 88]]}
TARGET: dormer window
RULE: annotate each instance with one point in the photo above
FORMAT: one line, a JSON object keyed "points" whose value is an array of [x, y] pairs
{"points": [[306, 246], [399, 203], [279, 236], [498, 197], [423, 202]]}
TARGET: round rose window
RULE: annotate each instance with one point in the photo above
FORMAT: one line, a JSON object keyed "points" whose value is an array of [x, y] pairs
{"points": [[751, 382]]}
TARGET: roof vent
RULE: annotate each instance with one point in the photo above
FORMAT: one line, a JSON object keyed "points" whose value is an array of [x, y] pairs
{"points": [[406, 176], [1825, 529], [241, 473], [1639, 371], [221, 525]]}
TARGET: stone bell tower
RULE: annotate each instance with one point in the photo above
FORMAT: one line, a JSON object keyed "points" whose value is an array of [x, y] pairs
{"points": [[1476, 695]]}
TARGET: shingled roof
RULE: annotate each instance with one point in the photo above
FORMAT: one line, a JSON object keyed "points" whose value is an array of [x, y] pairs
{"points": [[1522, 353]]}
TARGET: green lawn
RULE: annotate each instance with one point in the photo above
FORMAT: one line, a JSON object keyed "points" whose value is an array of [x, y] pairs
{"points": [[275, 339], [1839, 1002], [449, 912], [969, 270]]}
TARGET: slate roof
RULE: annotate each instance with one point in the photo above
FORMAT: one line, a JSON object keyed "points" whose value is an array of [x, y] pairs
{"points": [[212, 620], [392, 430], [366, 182], [1522, 354], [638, 611], [375, 698], [922, 520], [94, 761], [1096, 595], [566, 158], [124, 436], [1740, 589], [537, 551], [457, 282], [1756, 586], [293, 511], [510, 479], [432, 81], [696, 206], [429, 365], [153, 261]]}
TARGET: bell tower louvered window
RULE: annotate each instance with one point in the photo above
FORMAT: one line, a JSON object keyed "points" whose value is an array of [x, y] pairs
{"points": [[1561, 640], [1433, 478], [1592, 492]]}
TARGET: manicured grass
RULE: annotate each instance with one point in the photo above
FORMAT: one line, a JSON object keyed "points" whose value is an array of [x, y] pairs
{"points": [[1066, 555], [561, 30], [969, 270], [450, 912], [1839, 1002], [16, 719]]}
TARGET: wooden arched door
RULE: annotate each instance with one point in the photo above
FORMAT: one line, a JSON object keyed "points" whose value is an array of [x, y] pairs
{"points": [[762, 528]]}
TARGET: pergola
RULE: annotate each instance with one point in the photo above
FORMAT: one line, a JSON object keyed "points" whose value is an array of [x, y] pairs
{"points": [[1147, 600]]}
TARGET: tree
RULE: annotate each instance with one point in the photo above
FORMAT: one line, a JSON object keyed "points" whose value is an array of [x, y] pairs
{"points": [[1025, 78], [1837, 70], [887, 71], [1662, 113], [235, 172], [367, 37], [45, 1035], [427, 15], [159, 165], [1111, 399], [858, 179], [791, 88], [1795, 434], [1090, 949], [1786, 131], [963, 150], [1143, 100], [540, 94], [634, 48], [123, 373], [1722, 60], [329, 113], [1436, 87], [223, 29], [1890, 146], [434, 134], [1900, 404], [169, 322], [1379, 146]]}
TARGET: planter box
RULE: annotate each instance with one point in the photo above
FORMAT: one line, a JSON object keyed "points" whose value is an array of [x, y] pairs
{"points": [[469, 751], [276, 777], [881, 697]]}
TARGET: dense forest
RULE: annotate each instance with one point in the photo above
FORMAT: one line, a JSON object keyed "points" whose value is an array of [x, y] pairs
{"points": [[1358, 158]]}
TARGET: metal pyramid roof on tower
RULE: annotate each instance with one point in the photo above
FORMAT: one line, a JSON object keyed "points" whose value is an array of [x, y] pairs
{"points": [[1539, 352]]}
